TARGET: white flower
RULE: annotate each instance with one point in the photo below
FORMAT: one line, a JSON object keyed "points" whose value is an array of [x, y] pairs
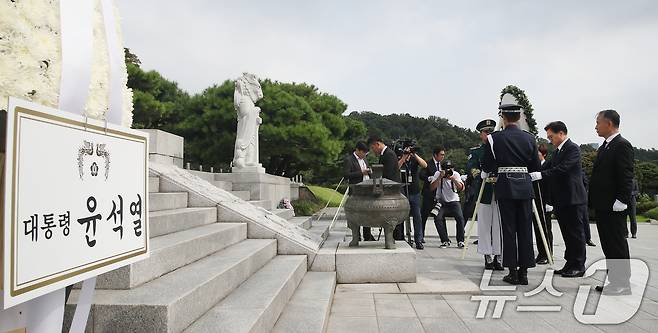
{"points": [[30, 47]]}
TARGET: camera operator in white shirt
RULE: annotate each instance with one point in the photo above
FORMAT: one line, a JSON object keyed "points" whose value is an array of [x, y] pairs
{"points": [[448, 183]]}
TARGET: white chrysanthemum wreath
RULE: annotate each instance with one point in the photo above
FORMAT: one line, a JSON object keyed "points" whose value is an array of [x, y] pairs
{"points": [[30, 57]]}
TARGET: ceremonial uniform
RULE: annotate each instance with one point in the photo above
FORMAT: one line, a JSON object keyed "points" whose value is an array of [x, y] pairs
{"points": [[488, 217], [512, 152]]}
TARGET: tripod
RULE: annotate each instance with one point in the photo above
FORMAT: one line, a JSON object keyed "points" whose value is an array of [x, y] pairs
{"points": [[405, 175]]}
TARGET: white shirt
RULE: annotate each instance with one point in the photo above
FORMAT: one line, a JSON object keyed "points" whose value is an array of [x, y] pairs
{"points": [[446, 191], [611, 137], [362, 164], [562, 144], [383, 150]]}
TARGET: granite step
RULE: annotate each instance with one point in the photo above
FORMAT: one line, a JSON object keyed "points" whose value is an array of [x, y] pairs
{"points": [[154, 184], [261, 203], [173, 251], [284, 213], [166, 201], [256, 305], [309, 308], [175, 300], [164, 222], [224, 185], [244, 195], [304, 222]]}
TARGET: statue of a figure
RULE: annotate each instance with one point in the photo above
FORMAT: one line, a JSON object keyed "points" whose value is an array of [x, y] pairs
{"points": [[247, 93]]}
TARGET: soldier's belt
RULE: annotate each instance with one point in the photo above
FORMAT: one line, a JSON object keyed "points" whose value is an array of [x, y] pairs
{"points": [[512, 170], [491, 179]]}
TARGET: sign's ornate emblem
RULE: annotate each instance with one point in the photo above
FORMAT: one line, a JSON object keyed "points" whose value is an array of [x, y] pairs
{"points": [[87, 149]]}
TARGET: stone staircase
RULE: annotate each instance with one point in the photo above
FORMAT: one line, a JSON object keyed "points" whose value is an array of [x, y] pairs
{"points": [[205, 275]]}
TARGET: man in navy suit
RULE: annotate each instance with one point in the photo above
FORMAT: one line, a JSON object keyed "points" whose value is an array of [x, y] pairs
{"points": [[512, 152], [564, 175], [609, 194], [356, 170]]}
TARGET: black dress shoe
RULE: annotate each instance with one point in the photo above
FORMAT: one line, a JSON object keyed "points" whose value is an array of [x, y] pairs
{"points": [[420, 246], [476, 241], [523, 276], [488, 265], [512, 277], [561, 270], [590, 243], [572, 273], [497, 266], [599, 288], [541, 261], [634, 236]]}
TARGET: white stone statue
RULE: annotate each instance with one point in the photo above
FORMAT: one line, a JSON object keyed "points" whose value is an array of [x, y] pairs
{"points": [[247, 93]]}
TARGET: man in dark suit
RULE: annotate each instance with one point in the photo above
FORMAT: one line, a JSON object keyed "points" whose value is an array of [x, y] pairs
{"points": [[429, 195], [564, 175], [356, 170], [609, 195], [513, 154], [391, 171]]}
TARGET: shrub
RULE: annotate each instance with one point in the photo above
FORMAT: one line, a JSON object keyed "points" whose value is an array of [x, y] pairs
{"points": [[644, 206], [306, 207], [652, 214]]}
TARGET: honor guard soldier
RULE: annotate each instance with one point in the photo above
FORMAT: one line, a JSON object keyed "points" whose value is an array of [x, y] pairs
{"points": [[512, 153], [489, 229]]}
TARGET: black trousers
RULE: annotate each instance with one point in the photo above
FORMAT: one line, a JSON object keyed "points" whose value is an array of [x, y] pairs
{"points": [[612, 229], [548, 232], [516, 220], [453, 209], [572, 227], [588, 232]]}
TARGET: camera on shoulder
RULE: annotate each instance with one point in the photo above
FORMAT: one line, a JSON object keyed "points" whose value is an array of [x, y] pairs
{"points": [[400, 147]]}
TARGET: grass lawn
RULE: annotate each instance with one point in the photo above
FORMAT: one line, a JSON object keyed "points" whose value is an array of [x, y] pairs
{"points": [[326, 195], [641, 218]]}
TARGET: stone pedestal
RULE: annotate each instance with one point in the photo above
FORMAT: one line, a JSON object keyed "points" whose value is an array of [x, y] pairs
{"points": [[263, 187], [249, 169], [371, 263], [165, 148]]}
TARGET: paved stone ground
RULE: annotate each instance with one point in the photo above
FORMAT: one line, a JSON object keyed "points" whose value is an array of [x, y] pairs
{"points": [[441, 299]]}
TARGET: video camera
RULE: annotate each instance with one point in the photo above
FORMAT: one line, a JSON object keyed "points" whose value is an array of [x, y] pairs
{"points": [[401, 144]]}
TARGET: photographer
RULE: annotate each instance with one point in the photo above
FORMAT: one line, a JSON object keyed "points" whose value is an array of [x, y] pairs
{"points": [[447, 183], [409, 163]]}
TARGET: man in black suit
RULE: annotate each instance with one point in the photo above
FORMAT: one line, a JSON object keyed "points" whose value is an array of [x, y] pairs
{"points": [[429, 195], [513, 154], [564, 175], [609, 195], [391, 171], [356, 170]]}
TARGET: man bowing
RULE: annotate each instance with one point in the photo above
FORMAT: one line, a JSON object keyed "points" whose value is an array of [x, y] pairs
{"points": [[563, 173]]}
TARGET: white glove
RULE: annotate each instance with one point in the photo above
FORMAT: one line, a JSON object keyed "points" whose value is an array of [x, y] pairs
{"points": [[619, 206], [464, 177], [436, 176], [484, 175], [548, 208], [535, 176]]}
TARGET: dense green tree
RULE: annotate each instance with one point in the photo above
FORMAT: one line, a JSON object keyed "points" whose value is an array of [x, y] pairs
{"points": [[157, 102]]}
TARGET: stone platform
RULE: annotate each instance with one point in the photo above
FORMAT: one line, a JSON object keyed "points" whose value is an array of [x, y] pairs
{"points": [[371, 263]]}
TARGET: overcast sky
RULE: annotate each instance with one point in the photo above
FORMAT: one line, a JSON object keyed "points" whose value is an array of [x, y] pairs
{"points": [[443, 58]]}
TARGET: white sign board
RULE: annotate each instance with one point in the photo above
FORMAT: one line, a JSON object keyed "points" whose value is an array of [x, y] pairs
{"points": [[75, 200]]}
